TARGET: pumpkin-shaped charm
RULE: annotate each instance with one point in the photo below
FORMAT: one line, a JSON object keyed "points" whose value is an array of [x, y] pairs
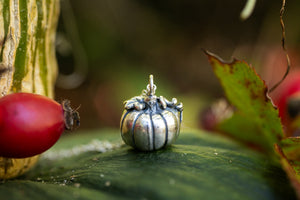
{"points": [[150, 122]]}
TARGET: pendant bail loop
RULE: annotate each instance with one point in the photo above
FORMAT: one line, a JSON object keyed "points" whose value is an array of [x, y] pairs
{"points": [[151, 87]]}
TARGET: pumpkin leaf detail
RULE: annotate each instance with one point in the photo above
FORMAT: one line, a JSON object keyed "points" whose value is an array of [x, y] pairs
{"points": [[198, 166], [256, 121]]}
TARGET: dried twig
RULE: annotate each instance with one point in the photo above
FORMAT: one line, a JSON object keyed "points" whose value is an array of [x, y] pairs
{"points": [[283, 47]]}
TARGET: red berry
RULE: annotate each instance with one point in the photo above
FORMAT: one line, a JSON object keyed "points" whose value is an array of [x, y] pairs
{"points": [[30, 124], [287, 99], [286, 91]]}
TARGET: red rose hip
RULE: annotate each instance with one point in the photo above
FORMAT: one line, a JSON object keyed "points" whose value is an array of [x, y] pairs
{"points": [[288, 90], [30, 124]]}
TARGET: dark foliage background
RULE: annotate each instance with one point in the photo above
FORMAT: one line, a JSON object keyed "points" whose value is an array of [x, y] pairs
{"points": [[115, 45]]}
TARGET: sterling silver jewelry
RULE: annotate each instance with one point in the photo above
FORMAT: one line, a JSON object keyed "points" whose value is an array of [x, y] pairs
{"points": [[150, 122]]}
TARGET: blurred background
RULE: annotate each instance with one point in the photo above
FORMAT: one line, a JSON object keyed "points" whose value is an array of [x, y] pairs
{"points": [[107, 49]]}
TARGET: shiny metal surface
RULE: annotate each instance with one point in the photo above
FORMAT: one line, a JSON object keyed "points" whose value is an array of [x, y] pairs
{"points": [[150, 122], [127, 127], [143, 133], [173, 126], [160, 128]]}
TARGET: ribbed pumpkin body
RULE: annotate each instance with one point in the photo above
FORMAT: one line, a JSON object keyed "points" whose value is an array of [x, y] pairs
{"points": [[149, 122], [150, 129]]}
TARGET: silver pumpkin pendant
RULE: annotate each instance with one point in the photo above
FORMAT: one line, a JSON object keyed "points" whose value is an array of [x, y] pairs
{"points": [[150, 122]]}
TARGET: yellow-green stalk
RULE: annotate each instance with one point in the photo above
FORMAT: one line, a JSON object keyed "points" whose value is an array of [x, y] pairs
{"points": [[27, 58]]}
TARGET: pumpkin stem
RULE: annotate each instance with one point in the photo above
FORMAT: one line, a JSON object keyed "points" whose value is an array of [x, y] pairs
{"points": [[151, 87]]}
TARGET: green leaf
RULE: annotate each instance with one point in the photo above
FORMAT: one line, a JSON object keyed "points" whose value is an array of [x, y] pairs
{"points": [[198, 166], [244, 129], [291, 148], [289, 152], [256, 120]]}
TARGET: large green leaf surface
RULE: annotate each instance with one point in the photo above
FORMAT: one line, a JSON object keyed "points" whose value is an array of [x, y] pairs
{"points": [[199, 166]]}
